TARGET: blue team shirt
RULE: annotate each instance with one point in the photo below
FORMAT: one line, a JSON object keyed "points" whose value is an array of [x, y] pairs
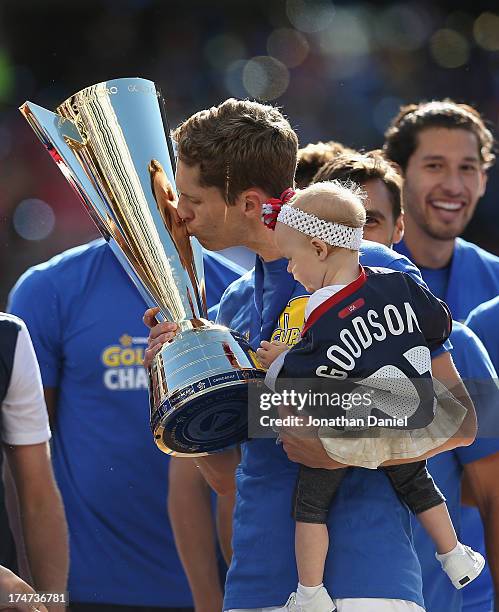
{"points": [[367, 521], [473, 277], [484, 321], [84, 316], [477, 371]]}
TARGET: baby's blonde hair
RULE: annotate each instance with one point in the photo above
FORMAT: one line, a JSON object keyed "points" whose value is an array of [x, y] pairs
{"points": [[335, 201]]}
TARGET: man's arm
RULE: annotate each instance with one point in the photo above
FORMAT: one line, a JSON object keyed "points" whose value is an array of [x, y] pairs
{"points": [[42, 515], [225, 512], [50, 394], [480, 479], [219, 470], [189, 508]]}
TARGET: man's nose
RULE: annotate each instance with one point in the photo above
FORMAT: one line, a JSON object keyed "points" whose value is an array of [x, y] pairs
{"points": [[452, 182], [183, 209]]}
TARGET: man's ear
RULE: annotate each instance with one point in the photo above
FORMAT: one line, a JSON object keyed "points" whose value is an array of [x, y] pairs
{"points": [[251, 201], [398, 230], [485, 178], [320, 247]]}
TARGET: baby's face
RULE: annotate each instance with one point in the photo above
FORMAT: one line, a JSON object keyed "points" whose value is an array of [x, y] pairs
{"points": [[303, 262]]}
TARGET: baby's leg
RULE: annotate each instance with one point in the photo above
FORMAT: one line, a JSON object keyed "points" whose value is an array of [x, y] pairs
{"points": [[438, 525], [416, 487], [315, 490]]}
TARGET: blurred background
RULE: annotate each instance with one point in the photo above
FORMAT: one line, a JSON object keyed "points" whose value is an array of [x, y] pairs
{"points": [[339, 69]]}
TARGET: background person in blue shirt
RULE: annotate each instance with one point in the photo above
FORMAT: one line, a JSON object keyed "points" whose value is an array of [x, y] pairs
{"points": [[484, 321], [224, 176], [444, 150], [83, 313], [383, 206]]}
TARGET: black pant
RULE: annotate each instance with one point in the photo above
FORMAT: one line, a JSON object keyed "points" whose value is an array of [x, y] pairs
{"points": [[95, 607], [316, 488]]}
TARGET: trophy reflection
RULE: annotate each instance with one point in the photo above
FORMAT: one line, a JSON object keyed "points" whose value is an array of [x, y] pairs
{"points": [[111, 142]]}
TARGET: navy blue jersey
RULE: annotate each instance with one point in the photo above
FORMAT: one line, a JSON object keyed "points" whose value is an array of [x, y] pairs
{"points": [[380, 330]]}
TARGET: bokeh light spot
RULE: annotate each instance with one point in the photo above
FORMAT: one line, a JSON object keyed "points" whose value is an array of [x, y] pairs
{"points": [[345, 36], [288, 46], [310, 15], [33, 219], [449, 48], [265, 77], [486, 31]]}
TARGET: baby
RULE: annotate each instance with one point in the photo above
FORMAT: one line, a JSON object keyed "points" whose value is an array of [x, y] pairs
{"points": [[378, 327]]}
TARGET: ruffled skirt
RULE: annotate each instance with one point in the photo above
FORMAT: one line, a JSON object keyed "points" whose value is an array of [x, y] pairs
{"points": [[369, 447]]}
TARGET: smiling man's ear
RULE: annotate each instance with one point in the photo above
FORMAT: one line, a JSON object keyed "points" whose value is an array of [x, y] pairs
{"points": [[320, 247]]}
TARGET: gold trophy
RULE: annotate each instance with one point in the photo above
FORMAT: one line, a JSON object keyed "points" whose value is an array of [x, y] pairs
{"points": [[111, 142]]}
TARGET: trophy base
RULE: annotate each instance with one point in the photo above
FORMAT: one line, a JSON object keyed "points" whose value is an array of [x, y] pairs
{"points": [[208, 423], [199, 386]]}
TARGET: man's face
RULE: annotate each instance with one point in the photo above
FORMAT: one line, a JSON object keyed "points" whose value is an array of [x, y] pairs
{"points": [[380, 224], [204, 211], [444, 180]]}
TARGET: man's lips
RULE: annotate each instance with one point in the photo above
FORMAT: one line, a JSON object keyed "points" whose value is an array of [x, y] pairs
{"points": [[447, 205], [447, 210]]}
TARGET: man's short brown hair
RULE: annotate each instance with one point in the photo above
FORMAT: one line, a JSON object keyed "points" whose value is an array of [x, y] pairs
{"points": [[401, 136], [238, 145], [363, 167], [315, 155]]}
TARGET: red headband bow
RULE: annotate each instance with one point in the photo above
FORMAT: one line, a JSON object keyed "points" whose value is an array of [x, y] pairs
{"points": [[271, 209]]}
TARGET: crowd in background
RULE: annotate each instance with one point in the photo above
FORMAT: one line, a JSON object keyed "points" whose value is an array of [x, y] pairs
{"points": [[339, 69]]}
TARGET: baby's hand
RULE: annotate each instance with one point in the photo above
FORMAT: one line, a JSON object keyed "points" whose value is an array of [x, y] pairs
{"points": [[268, 351]]}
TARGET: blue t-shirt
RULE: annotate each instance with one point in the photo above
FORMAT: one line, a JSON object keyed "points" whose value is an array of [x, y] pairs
{"points": [[483, 320], [367, 521], [477, 371], [473, 277], [84, 316], [437, 280]]}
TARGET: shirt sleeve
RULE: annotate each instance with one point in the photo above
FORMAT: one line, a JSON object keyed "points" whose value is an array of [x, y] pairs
{"points": [[480, 378], [403, 264], [35, 299], [433, 315], [24, 414]]}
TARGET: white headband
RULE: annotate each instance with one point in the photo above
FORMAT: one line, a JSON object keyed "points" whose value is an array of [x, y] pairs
{"points": [[334, 234]]}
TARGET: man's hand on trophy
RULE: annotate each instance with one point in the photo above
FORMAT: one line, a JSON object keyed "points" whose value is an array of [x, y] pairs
{"points": [[159, 334]]}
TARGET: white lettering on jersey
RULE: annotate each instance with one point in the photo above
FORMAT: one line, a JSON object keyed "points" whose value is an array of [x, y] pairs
{"points": [[352, 343]]}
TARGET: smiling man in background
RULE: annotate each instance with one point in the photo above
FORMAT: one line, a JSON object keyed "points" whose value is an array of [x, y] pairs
{"points": [[444, 150]]}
